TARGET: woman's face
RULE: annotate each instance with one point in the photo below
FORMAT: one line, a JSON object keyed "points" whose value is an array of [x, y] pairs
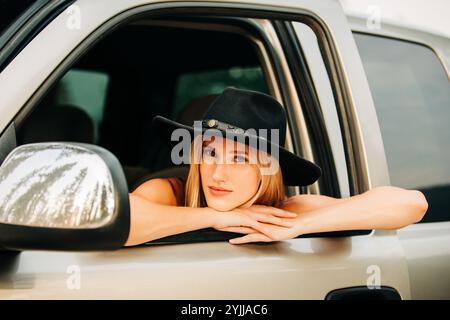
{"points": [[227, 177]]}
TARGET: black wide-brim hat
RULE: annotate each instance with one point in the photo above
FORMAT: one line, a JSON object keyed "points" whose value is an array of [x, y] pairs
{"points": [[234, 112]]}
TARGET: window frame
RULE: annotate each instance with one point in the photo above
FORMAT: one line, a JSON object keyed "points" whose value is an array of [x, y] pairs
{"points": [[310, 104], [277, 84], [27, 26]]}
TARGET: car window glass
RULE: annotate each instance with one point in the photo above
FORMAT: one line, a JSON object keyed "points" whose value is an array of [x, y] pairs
{"points": [[411, 92]]}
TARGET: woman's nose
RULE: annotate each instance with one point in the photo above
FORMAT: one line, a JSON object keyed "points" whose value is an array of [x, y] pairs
{"points": [[219, 172]]}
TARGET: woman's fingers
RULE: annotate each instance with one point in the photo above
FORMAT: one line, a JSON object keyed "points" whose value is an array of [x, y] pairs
{"points": [[261, 217], [261, 228], [245, 230], [274, 211], [254, 237], [286, 214]]}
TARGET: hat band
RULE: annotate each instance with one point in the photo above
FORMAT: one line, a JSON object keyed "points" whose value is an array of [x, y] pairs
{"points": [[226, 127], [223, 126], [216, 124]]}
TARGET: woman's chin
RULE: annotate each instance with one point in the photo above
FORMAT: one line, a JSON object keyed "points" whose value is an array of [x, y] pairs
{"points": [[219, 205]]}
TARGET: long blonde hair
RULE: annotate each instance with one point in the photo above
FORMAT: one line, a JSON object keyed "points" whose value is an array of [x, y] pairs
{"points": [[270, 191]]}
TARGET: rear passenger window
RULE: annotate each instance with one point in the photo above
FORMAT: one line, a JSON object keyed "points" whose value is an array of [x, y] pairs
{"points": [[411, 92]]}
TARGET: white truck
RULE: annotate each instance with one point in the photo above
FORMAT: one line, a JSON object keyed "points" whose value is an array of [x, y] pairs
{"points": [[83, 79]]}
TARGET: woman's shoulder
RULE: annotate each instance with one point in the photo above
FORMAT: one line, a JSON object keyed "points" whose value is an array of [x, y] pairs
{"points": [[161, 190]]}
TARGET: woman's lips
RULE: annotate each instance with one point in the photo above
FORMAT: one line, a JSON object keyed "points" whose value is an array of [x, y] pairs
{"points": [[218, 192]]}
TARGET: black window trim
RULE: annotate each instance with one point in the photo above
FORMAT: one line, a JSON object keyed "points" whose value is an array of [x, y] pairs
{"points": [[310, 102]]}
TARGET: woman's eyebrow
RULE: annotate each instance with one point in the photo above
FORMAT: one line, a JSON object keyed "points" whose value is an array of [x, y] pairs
{"points": [[239, 151], [206, 143]]}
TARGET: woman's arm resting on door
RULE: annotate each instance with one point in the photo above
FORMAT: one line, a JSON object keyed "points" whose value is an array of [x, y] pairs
{"points": [[384, 208], [307, 202], [150, 220], [154, 214]]}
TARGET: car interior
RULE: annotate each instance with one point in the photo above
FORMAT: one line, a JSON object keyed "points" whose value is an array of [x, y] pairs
{"points": [[140, 70]]}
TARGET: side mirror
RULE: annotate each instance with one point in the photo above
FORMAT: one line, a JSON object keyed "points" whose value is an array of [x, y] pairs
{"points": [[63, 196]]}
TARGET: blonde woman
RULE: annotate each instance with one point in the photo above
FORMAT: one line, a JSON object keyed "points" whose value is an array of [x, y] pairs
{"points": [[237, 176]]}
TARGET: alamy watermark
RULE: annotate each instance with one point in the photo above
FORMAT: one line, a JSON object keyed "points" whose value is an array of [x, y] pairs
{"points": [[374, 280], [257, 140], [73, 281], [373, 21], [74, 20]]}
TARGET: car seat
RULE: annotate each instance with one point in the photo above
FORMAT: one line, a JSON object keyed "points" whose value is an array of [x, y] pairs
{"points": [[57, 123]]}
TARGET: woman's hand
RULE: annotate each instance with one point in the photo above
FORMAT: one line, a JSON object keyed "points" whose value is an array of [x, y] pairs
{"points": [[271, 233], [255, 219]]}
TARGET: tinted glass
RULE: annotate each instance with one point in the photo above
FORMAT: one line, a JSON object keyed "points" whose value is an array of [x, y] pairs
{"points": [[411, 92]]}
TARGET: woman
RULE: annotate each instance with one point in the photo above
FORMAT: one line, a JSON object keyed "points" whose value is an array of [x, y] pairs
{"points": [[236, 182]]}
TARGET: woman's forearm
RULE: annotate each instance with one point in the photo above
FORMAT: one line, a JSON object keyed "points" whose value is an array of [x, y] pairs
{"points": [[384, 208], [150, 221]]}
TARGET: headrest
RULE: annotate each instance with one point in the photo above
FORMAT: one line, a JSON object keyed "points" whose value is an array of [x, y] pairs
{"points": [[196, 109], [57, 123]]}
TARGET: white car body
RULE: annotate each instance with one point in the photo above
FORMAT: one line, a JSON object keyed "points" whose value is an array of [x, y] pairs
{"points": [[414, 261]]}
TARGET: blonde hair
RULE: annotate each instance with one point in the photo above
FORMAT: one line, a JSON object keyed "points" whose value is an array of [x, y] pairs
{"points": [[270, 191]]}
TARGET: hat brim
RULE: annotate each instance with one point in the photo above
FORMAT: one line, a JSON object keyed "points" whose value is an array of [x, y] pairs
{"points": [[296, 170]]}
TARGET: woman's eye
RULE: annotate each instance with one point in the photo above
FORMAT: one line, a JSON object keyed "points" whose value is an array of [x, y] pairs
{"points": [[208, 152], [240, 159]]}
